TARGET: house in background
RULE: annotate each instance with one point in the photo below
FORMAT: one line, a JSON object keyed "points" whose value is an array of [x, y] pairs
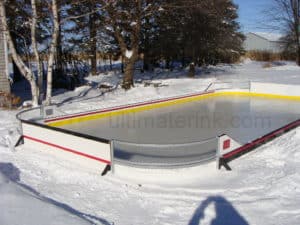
{"points": [[4, 74], [263, 42]]}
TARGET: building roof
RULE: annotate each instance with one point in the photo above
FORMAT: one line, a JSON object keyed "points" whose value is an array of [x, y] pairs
{"points": [[268, 36]]}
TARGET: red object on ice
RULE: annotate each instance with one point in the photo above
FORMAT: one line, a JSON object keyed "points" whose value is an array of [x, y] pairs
{"points": [[226, 144]]}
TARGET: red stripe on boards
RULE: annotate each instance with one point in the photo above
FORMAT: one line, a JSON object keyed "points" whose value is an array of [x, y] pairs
{"points": [[262, 139], [67, 149]]}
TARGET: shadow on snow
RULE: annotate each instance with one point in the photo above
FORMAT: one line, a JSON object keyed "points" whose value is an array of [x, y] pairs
{"points": [[225, 213], [12, 173]]}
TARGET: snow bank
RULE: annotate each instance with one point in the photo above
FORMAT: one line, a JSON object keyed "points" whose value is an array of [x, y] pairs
{"points": [[286, 68], [22, 205]]}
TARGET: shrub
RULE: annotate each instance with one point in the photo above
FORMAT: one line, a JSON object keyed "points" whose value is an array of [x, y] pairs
{"points": [[267, 56], [263, 56], [8, 100], [267, 65]]}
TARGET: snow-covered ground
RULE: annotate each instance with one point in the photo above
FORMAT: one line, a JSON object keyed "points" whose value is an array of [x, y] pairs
{"points": [[263, 188]]}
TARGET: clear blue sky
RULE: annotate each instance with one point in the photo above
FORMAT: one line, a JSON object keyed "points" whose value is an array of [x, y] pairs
{"points": [[251, 13]]}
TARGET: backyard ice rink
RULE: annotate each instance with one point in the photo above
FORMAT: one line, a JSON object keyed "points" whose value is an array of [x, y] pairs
{"points": [[263, 188]]}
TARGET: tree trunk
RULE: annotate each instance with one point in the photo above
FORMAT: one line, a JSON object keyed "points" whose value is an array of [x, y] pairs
{"points": [[298, 56], [128, 74], [94, 64], [134, 35], [35, 52], [192, 70], [183, 59], [167, 66], [110, 62], [34, 93], [58, 57], [93, 47], [295, 6], [146, 63], [122, 65], [53, 48], [146, 60], [17, 74]]}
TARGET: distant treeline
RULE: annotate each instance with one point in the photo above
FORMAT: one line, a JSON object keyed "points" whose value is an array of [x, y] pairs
{"points": [[203, 32]]}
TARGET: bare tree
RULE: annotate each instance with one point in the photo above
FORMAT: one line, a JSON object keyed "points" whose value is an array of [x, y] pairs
{"points": [[285, 15]]}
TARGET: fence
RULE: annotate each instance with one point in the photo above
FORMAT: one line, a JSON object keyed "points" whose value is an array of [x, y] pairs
{"points": [[82, 149], [218, 86], [229, 149], [99, 153], [276, 90]]}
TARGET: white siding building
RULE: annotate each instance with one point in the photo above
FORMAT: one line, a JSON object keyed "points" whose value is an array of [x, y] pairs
{"points": [[262, 42]]}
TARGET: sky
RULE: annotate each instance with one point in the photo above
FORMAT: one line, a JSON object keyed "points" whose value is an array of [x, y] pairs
{"points": [[251, 13]]}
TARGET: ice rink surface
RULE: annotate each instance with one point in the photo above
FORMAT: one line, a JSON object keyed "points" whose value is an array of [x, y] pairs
{"points": [[177, 134]]}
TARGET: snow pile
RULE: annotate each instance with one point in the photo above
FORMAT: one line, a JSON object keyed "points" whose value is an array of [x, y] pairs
{"points": [[128, 53], [288, 67], [247, 61], [110, 78]]}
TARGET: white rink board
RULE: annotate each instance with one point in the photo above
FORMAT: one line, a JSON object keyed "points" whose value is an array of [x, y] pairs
{"points": [[83, 151], [232, 145], [275, 89]]}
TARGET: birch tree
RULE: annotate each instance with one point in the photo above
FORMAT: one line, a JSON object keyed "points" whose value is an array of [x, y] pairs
{"points": [[36, 54], [52, 51], [24, 69], [36, 82]]}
